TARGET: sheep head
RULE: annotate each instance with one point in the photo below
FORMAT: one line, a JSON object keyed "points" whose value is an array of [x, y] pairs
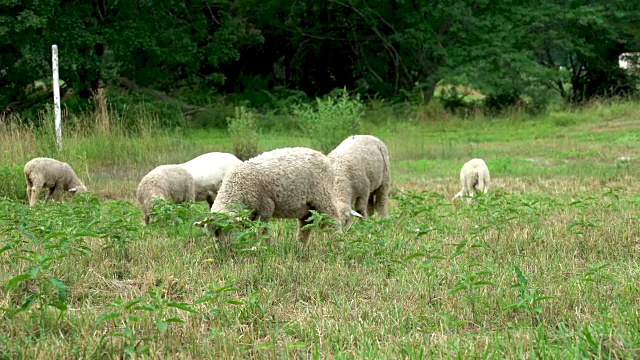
{"points": [[346, 215], [77, 189]]}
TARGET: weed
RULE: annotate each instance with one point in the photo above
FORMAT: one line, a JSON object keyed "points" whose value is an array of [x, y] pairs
{"points": [[243, 133], [331, 120]]}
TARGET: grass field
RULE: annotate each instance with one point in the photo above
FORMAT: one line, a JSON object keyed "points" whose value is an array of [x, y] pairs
{"points": [[546, 265]]}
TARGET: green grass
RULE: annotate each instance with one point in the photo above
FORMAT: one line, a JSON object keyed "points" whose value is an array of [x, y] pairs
{"points": [[546, 265]]}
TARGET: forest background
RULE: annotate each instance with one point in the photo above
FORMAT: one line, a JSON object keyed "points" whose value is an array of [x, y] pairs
{"points": [[193, 61]]}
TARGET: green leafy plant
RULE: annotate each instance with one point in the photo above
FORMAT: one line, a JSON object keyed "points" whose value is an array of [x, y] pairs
{"points": [[321, 221], [244, 135], [330, 120], [135, 316], [36, 285], [34, 248], [166, 213], [470, 281], [528, 297], [239, 232], [597, 273]]}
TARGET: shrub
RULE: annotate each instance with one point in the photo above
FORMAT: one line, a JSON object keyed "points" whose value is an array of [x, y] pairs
{"points": [[456, 102], [330, 120], [244, 134]]}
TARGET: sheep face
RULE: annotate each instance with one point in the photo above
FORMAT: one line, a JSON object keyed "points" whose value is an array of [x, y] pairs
{"points": [[346, 214], [344, 210], [77, 190]]}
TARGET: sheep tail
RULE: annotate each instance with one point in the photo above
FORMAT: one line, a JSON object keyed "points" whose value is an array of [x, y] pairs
{"points": [[384, 159]]}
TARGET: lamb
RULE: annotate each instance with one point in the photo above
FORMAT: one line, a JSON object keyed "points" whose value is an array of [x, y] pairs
{"points": [[208, 171], [362, 175], [57, 176], [283, 183], [474, 175], [166, 182]]}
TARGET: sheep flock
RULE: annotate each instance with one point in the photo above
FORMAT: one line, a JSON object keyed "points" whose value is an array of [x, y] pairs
{"points": [[353, 180]]}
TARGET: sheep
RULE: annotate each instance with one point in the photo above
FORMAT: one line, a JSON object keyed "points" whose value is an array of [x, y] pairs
{"points": [[474, 175], [208, 171], [57, 176], [166, 182], [283, 183], [362, 175]]}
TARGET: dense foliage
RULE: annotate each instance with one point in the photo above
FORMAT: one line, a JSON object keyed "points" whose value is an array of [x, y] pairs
{"points": [[393, 49]]}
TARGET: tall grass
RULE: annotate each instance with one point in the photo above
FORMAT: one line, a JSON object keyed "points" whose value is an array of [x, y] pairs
{"points": [[425, 143], [103, 152]]}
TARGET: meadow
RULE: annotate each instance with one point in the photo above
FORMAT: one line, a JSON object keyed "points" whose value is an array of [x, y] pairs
{"points": [[546, 265]]}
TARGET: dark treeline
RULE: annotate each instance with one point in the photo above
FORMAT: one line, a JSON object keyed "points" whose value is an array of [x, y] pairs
{"points": [[386, 48]]}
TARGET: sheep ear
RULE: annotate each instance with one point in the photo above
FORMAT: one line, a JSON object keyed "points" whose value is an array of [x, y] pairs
{"points": [[355, 213], [73, 190]]}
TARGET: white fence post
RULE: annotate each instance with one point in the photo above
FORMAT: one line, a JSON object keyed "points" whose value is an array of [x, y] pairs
{"points": [[56, 95]]}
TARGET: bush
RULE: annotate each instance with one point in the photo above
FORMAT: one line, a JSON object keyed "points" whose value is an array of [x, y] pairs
{"points": [[496, 103], [457, 103], [244, 134], [331, 120]]}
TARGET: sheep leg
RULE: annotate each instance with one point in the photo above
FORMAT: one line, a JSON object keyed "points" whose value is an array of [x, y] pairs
{"points": [[381, 197], [303, 235], [482, 184], [55, 192], [361, 205], [371, 204], [211, 197], [29, 184], [264, 215], [469, 190], [265, 230], [264, 233], [35, 191], [49, 195]]}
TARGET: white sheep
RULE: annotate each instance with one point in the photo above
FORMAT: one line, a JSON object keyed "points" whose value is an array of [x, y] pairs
{"points": [[166, 182], [208, 171], [284, 183], [474, 175], [57, 176], [362, 176]]}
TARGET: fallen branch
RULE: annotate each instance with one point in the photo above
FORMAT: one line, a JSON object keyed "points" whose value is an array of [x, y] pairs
{"points": [[185, 108]]}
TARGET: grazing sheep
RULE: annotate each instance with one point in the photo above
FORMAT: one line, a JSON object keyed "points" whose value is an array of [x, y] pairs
{"points": [[166, 182], [283, 183], [474, 175], [208, 170], [52, 174], [362, 175]]}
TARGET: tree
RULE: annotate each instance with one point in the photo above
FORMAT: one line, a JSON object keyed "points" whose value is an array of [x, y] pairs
{"points": [[162, 44], [579, 44]]}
